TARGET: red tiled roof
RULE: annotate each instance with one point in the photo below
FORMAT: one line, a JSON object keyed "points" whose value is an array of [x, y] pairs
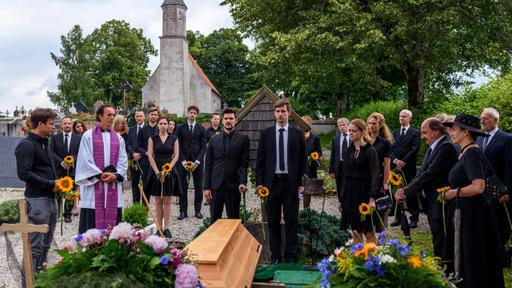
{"points": [[205, 78]]}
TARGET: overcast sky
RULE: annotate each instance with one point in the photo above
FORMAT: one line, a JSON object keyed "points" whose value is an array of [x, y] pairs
{"points": [[30, 30]]}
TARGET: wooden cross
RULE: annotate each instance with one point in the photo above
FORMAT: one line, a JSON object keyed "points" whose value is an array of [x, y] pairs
{"points": [[25, 228]]}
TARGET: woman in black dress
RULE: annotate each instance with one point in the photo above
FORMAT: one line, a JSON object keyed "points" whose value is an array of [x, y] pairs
{"points": [[381, 140], [312, 145], [176, 189], [162, 148], [479, 257], [360, 181]]}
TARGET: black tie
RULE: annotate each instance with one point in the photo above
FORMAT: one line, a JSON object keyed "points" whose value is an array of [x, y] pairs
{"points": [[484, 145], [344, 145], [403, 132], [281, 149], [66, 142], [138, 128], [191, 128]]}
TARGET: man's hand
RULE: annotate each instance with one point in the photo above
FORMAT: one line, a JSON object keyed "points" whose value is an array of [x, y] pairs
{"points": [[399, 163], [207, 194], [301, 189], [504, 199], [108, 177], [372, 204], [136, 156], [55, 188], [195, 166], [400, 195], [333, 176], [242, 188]]}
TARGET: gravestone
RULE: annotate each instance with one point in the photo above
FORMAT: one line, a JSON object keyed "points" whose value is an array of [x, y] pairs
{"points": [[97, 105], [8, 173]]}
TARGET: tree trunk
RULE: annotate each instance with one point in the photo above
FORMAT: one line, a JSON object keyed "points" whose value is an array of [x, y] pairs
{"points": [[415, 85], [341, 104]]}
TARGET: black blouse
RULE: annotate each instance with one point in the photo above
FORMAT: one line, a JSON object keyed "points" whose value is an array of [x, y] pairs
{"points": [[470, 166], [383, 148]]}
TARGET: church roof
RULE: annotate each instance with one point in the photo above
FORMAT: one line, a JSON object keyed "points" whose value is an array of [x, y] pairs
{"points": [[202, 74], [174, 2]]}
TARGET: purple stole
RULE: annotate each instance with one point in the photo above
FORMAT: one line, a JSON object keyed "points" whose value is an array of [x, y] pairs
{"points": [[105, 213]]}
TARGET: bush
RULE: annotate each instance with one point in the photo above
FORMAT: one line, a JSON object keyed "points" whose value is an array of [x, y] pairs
{"points": [[319, 234], [10, 211], [137, 215], [390, 110]]}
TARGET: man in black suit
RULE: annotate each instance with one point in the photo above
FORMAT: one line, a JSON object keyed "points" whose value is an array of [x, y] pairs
{"points": [[65, 143], [142, 145], [225, 173], [498, 150], [192, 139], [403, 156], [339, 145], [214, 128], [131, 149], [280, 164], [437, 163]]}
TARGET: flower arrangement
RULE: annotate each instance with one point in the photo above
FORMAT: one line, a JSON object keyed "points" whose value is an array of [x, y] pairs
{"points": [[65, 191], [189, 166], [387, 263], [146, 261], [263, 193]]}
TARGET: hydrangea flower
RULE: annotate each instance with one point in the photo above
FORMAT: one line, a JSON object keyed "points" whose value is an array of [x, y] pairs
{"points": [[91, 237], [158, 244], [69, 246], [186, 276], [123, 232]]}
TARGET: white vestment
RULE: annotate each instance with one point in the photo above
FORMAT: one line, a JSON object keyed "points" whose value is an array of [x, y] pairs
{"points": [[86, 169]]}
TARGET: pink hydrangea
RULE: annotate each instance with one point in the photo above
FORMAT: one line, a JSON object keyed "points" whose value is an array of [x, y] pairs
{"points": [[69, 246], [186, 276], [91, 237], [123, 232], [158, 244]]}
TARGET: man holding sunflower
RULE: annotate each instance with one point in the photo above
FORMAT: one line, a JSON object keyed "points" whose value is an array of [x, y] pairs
{"points": [[34, 162], [65, 148]]}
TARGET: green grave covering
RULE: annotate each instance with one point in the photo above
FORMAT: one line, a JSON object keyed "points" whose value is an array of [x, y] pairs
{"points": [[292, 275]]}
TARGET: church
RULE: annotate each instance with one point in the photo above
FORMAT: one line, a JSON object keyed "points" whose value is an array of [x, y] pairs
{"points": [[178, 81]]}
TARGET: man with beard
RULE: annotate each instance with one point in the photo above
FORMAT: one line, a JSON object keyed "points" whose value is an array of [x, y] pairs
{"points": [[225, 173], [142, 144]]}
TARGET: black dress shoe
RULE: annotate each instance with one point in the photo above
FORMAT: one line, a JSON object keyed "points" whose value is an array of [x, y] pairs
{"points": [[167, 233], [199, 215], [67, 219], [395, 223], [158, 233], [413, 224], [182, 216]]}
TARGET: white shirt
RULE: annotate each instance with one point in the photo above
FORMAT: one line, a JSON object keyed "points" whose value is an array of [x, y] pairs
{"points": [[285, 142], [434, 145], [85, 168], [341, 145], [491, 134], [406, 129], [193, 125], [139, 127]]}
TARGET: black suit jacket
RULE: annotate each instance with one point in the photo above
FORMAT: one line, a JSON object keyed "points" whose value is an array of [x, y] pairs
{"points": [[226, 165], [499, 154], [335, 153], [266, 157], [142, 139], [433, 175], [57, 146], [406, 148], [131, 143], [192, 147], [210, 132]]}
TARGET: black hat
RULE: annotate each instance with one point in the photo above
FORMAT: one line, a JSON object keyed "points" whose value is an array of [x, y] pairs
{"points": [[468, 122]]}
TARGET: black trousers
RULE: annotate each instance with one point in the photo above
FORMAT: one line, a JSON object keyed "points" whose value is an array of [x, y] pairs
{"points": [[339, 180], [135, 173], [145, 166], [438, 237], [282, 196], [413, 206], [88, 219], [225, 196], [198, 188]]}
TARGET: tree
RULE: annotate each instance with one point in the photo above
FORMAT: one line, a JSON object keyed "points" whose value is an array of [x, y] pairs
{"points": [[111, 54], [351, 48], [225, 59], [74, 78]]}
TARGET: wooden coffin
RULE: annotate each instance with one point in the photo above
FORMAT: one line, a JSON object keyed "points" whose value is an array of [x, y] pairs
{"points": [[226, 255]]}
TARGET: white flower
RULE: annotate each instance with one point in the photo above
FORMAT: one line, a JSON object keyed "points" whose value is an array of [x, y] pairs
{"points": [[158, 244], [123, 231], [338, 251], [386, 259], [349, 242], [331, 258]]}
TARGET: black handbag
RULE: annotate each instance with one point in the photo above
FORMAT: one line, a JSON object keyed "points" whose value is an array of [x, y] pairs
{"points": [[384, 203], [494, 188]]}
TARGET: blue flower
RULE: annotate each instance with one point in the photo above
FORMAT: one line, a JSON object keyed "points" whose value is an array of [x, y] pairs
{"points": [[326, 268], [373, 265], [381, 238], [394, 242], [403, 250], [368, 265], [103, 231], [78, 238], [165, 260], [356, 247]]}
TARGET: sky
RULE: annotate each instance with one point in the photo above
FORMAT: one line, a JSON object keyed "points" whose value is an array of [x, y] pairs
{"points": [[31, 30]]}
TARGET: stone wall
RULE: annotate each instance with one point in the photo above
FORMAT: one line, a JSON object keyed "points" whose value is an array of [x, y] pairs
{"points": [[323, 126]]}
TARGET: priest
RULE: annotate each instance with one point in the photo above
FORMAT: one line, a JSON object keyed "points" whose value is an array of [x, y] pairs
{"points": [[100, 170]]}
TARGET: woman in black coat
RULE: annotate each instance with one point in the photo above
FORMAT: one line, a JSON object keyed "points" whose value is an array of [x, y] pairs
{"points": [[312, 145]]}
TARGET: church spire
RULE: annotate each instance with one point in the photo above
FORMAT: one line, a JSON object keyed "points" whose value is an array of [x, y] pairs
{"points": [[174, 19]]}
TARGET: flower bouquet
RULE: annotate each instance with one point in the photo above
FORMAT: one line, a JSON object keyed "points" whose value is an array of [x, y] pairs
{"points": [[65, 186], [166, 170], [314, 156], [387, 263], [189, 166], [120, 256], [441, 198], [263, 193]]}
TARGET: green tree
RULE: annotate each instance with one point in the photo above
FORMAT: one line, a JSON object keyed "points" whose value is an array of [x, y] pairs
{"points": [[93, 67], [75, 82], [225, 59], [362, 50]]}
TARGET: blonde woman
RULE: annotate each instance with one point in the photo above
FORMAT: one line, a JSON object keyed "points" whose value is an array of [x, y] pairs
{"points": [[121, 127], [360, 182]]}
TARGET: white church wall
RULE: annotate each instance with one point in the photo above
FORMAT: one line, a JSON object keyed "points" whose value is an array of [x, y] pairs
{"points": [[150, 91]]}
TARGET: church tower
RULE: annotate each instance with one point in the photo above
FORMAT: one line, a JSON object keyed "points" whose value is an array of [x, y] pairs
{"points": [[174, 58]]}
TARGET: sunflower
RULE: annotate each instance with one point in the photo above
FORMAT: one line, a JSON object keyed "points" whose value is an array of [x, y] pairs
{"points": [[65, 184], [415, 261], [315, 156], [443, 189], [69, 160], [364, 209], [263, 192], [394, 179], [189, 165], [167, 168]]}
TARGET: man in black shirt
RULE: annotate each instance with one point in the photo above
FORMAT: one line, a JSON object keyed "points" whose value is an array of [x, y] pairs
{"points": [[35, 168], [215, 128], [142, 144]]}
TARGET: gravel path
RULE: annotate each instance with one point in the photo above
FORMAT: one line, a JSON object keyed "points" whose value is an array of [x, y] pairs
{"points": [[182, 230]]}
